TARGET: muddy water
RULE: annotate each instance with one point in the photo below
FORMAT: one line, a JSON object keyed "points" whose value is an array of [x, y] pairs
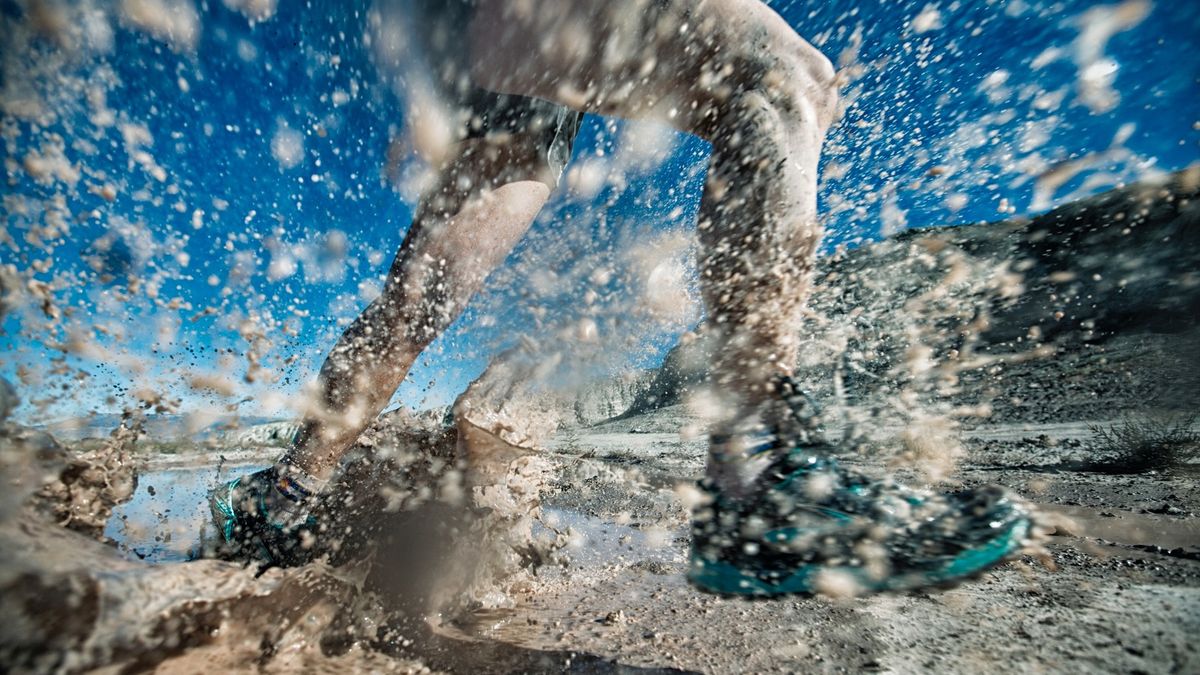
{"points": [[1134, 529], [161, 525], [164, 520]]}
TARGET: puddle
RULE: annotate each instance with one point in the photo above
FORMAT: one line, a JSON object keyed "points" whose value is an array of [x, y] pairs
{"points": [[597, 541], [1134, 529], [163, 521], [643, 554]]}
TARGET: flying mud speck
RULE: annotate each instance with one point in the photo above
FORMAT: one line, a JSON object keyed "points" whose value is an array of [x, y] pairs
{"points": [[287, 146]]}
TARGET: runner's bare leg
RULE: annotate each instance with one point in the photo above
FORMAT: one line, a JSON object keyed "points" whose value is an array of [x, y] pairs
{"points": [[457, 238], [734, 73], [730, 71]]}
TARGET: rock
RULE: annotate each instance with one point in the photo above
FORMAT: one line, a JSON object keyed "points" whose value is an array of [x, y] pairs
{"points": [[613, 618]]}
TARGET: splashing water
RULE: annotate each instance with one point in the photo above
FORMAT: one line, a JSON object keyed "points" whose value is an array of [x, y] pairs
{"points": [[201, 198]]}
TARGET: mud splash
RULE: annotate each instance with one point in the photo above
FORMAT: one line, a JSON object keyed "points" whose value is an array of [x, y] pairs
{"points": [[405, 545]]}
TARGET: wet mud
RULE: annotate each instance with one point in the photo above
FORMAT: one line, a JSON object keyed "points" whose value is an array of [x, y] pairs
{"points": [[1117, 588]]}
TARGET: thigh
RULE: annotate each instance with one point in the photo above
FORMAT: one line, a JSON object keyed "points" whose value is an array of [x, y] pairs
{"points": [[533, 136], [484, 164]]}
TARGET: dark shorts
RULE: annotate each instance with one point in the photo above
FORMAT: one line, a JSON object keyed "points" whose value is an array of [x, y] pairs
{"points": [[441, 29]]}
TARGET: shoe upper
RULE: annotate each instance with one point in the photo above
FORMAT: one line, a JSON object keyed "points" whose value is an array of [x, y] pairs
{"points": [[807, 514], [266, 517]]}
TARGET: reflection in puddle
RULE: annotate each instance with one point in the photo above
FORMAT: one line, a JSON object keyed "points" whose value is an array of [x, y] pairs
{"points": [[162, 523], [597, 541]]}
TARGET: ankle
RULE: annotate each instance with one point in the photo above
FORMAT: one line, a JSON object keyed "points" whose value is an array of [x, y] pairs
{"points": [[736, 458], [294, 483]]}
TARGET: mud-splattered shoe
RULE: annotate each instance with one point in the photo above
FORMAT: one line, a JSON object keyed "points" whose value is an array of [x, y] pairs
{"points": [[820, 528], [812, 526], [264, 517]]}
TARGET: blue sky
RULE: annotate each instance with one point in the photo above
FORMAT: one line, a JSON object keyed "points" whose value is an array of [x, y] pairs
{"points": [[264, 197]]}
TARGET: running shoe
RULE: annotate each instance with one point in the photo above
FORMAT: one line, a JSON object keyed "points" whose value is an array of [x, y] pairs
{"points": [[813, 526], [264, 517]]}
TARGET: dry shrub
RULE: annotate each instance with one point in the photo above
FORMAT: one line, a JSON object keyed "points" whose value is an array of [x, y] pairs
{"points": [[1147, 443]]}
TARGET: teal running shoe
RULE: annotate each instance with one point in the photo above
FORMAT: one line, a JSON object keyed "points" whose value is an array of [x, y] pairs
{"points": [[812, 526], [264, 517]]}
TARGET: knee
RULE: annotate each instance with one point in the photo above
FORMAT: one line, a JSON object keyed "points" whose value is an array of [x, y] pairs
{"points": [[824, 84], [794, 78]]}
